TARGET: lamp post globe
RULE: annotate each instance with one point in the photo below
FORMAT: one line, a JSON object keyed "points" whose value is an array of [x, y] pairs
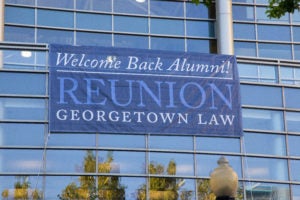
{"points": [[224, 181]]}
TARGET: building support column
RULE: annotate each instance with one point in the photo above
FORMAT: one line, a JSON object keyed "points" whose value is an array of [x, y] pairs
{"points": [[1, 20], [224, 27]]}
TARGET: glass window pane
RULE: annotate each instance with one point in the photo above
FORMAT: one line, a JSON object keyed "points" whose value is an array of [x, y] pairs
{"points": [[55, 18], [294, 147], [19, 34], [158, 7], [218, 144], [21, 160], [93, 21], [244, 31], [56, 3], [76, 139], [289, 75], [295, 168], [140, 24], [283, 33], [9, 186], [296, 33], [22, 83], [263, 119], [121, 162], [109, 187], [74, 161], [201, 46], [167, 26], [199, 11], [245, 49], [278, 51], [26, 134], [98, 39], [262, 17], [248, 72], [292, 97], [55, 36], [161, 162], [131, 41], [243, 13], [295, 192], [259, 95], [207, 163], [24, 16], [297, 52], [269, 144], [200, 29], [259, 191], [170, 142], [268, 73], [131, 6], [94, 5], [121, 141], [173, 44], [22, 109], [293, 121], [266, 169], [22, 2]]}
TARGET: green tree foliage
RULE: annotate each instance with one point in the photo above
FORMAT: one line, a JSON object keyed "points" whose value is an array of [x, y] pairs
{"points": [[278, 8], [275, 9], [91, 187]]}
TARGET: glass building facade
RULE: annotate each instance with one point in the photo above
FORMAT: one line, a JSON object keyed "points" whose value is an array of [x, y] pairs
{"points": [[36, 164]]}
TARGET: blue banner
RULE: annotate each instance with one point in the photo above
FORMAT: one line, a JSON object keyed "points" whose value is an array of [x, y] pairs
{"points": [[119, 90]]}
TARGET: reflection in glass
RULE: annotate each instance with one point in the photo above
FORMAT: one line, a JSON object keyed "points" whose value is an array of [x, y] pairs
{"points": [[19, 34], [259, 95], [293, 121], [18, 160], [56, 3], [255, 190], [245, 49], [173, 44], [271, 144], [283, 51], [295, 192], [26, 134], [21, 187], [131, 41], [63, 139], [218, 144], [22, 108], [121, 141], [94, 5], [263, 119], [243, 13], [55, 36], [159, 8], [18, 83], [183, 163], [93, 21], [130, 6], [206, 163], [244, 31], [294, 147], [283, 33], [97, 39], [295, 168], [167, 26], [24, 16], [266, 169], [292, 97], [290, 75], [170, 142], [140, 24], [55, 18], [200, 29]]}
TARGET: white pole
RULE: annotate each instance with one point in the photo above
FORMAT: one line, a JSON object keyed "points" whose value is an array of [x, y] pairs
{"points": [[224, 27]]}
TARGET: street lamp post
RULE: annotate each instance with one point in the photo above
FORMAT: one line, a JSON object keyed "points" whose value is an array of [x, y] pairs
{"points": [[224, 181]]}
